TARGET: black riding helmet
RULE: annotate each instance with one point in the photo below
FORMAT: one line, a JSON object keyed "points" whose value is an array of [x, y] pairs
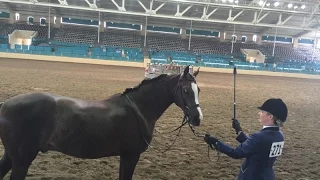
{"points": [[276, 107]]}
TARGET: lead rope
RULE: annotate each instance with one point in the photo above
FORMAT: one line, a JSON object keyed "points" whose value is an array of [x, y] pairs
{"points": [[209, 146], [137, 117]]}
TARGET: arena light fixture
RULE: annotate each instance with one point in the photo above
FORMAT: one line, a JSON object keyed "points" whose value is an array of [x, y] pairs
{"points": [[236, 1], [230, 1], [303, 6], [276, 4], [223, 1], [260, 3], [268, 4], [290, 5], [295, 7]]}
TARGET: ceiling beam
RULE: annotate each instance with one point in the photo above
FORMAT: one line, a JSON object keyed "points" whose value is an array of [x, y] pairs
{"points": [[262, 31], [286, 20], [163, 16], [266, 14], [181, 13], [63, 2], [306, 32], [239, 6], [92, 5], [207, 16], [315, 9]]}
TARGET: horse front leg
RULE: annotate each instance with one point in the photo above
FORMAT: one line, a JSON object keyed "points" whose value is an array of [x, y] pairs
{"points": [[127, 166], [5, 165]]}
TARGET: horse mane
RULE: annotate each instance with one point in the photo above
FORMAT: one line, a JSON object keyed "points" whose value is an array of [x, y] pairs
{"points": [[145, 82]]}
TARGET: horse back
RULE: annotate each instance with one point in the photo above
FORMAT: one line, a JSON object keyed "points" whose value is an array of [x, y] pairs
{"points": [[28, 107]]}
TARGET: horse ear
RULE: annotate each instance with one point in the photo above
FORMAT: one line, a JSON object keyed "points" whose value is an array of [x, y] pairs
{"points": [[186, 71], [196, 72]]}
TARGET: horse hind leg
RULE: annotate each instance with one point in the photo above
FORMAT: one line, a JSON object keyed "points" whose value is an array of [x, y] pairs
{"points": [[5, 165], [22, 148], [127, 166], [21, 161]]}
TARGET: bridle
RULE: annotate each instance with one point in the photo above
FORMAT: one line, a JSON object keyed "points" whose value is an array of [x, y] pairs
{"points": [[186, 120]]}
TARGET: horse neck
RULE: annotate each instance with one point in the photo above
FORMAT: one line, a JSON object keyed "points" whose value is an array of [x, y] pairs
{"points": [[153, 99]]}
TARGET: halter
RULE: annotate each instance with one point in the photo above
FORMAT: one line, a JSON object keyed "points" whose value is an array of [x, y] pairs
{"points": [[186, 119]]}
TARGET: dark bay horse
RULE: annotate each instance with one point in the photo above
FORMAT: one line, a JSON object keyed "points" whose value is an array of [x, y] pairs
{"points": [[121, 125]]}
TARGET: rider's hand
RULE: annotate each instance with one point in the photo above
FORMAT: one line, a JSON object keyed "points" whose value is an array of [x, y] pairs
{"points": [[211, 140], [236, 125]]}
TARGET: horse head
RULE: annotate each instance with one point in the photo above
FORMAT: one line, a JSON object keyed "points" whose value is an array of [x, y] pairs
{"points": [[186, 97]]}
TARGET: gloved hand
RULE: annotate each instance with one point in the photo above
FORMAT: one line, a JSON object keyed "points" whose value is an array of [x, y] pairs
{"points": [[211, 140], [236, 125]]}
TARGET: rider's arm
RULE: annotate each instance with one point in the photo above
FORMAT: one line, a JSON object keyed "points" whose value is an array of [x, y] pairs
{"points": [[241, 137], [250, 146]]}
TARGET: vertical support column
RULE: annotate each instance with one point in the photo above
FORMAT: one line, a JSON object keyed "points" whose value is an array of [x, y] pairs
{"points": [[190, 35], [143, 27], [145, 32], [12, 17], [259, 39], [295, 42], [183, 33], [49, 23], [99, 28], [102, 23], [58, 22], [232, 41], [274, 41], [222, 36], [314, 43]]}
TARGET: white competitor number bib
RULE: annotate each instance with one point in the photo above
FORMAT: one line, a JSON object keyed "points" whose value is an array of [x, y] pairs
{"points": [[276, 149]]}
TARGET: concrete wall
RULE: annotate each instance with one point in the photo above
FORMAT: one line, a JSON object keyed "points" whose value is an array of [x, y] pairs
{"points": [[69, 59]]}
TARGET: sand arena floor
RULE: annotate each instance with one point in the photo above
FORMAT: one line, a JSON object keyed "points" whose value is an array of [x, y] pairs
{"points": [[188, 158]]}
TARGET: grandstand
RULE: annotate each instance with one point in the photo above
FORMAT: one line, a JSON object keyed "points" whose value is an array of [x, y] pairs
{"points": [[185, 34]]}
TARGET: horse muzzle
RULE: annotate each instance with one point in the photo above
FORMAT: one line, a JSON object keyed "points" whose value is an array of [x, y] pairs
{"points": [[195, 120]]}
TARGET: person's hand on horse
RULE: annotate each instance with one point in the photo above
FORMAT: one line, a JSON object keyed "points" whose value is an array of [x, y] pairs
{"points": [[211, 140], [236, 125]]}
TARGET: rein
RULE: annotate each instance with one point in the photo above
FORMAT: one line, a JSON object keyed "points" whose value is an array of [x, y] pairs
{"points": [[185, 120], [138, 114]]}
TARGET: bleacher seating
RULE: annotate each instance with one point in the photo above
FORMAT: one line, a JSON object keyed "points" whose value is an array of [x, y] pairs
{"points": [[166, 42], [201, 45], [214, 46], [172, 56], [79, 35], [72, 51], [4, 47], [81, 42], [117, 53], [6, 29], [121, 39]]}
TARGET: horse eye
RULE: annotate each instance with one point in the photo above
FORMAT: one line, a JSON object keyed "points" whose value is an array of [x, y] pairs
{"points": [[185, 90]]}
